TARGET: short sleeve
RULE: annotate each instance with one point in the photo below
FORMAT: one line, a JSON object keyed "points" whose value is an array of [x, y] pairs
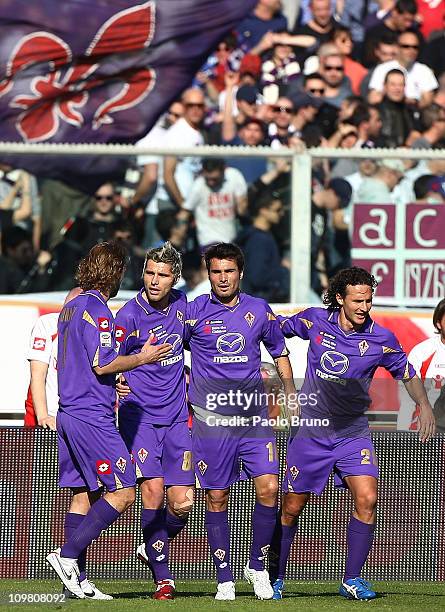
{"points": [[395, 360], [272, 336], [40, 342], [99, 339]]}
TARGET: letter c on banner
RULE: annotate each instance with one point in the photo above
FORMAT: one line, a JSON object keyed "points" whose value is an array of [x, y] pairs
{"points": [[429, 212]]}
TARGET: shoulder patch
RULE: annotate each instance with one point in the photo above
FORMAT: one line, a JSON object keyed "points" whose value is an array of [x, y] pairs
{"points": [[88, 318], [134, 333], [191, 322], [308, 323], [406, 375], [271, 317], [388, 349], [96, 358]]}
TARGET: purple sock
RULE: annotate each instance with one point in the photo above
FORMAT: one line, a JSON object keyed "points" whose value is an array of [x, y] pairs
{"points": [[154, 529], [359, 538], [175, 524], [100, 516], [264, 519], [280, 548], [72, 522], [218, 535]]}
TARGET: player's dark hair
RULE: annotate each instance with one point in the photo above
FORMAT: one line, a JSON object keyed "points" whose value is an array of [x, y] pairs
{"points": [[438, 314], [405, 6], [339, 283], [102, 268], [225, 250]]}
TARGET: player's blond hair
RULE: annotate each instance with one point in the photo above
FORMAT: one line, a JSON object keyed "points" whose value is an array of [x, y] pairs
{"points": [[166, 254]]}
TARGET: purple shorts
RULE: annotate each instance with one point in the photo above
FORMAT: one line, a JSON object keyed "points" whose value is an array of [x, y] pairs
{"points": [[92, 457], [309, 462], [160, 451], [217, 452]]}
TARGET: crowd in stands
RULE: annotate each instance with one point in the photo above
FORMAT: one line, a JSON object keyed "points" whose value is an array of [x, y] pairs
{"points": [[349, 74]]}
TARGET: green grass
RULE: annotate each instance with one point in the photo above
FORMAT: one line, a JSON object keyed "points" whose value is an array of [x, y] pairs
{"points": [[198, 595]]}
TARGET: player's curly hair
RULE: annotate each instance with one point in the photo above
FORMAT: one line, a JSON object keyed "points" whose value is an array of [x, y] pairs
{"points": [[225, 250], [438, 314], [103, 267], [349, 276], [165, 254]]}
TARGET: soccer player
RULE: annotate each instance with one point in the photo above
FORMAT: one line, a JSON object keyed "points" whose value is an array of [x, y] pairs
{"points": [[428, 359], [345, 348], [224, 330], [153, 416], [92, 455]]}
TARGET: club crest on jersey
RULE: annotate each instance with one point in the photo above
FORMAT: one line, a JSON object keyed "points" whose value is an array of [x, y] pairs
{"points": [[158, 545], [104, 324], [180, 316], [39, 344], [294, 471], [142, 454], [363, 346], [103, 466], [202, 466], [121, 464], [250, 318], [120, 333], [220, 554]]}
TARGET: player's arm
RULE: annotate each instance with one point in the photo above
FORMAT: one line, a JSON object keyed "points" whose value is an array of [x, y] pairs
{"points": [[297, 325], [150, 353], [416, 390], [39, 371]]}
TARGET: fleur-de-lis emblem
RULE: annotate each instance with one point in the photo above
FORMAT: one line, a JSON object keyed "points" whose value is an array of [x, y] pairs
{"points": [[62, 93]]}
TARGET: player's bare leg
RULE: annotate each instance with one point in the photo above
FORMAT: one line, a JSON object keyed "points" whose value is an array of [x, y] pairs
{"points": [[180, 499], [360, 536], [218, 534], [263, 524], [292, 505]]}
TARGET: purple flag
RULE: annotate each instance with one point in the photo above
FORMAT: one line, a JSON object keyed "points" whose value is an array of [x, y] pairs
{"points": [[98, 72]]}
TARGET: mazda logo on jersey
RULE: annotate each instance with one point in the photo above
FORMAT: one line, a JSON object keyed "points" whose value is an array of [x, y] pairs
{"points": [[230, 343], [334, 362], [174, 340]]}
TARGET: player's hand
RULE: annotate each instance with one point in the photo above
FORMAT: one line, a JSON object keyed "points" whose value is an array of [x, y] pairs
{"points": [[122, 388], [48, 422], [427, 423], [151, 353]]}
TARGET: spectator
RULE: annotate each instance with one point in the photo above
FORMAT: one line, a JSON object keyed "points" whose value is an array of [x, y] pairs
{"points": [[321, 24], [375, 126], [251, 133], [306, 109], [420, 81], [211, 75], [366, 168], [173, 227], [378, 188], [341, 37], [324, 201], [179, 173], [315, 85], [385, 51], [16, 200], [255, 30], [216, 199], [281, 129], [400, 18], [338, 86], [150, 191], [397, 117], [429, 189], [340, 251], [433, 54], [123, 232], [264, 274], [20, 270], [98, 226], [279, 71], [431, 129]]}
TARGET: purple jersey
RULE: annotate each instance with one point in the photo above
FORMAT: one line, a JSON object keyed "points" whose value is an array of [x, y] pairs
{"points": [[85, 340], [157, 389], [340, 367], [226, 356]]}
